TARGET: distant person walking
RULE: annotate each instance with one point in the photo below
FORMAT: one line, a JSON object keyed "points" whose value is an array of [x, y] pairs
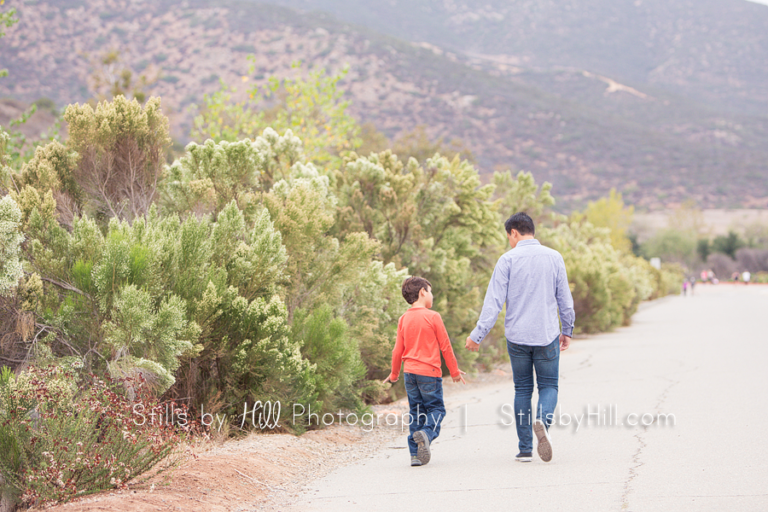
{"points": [[685, 288], [693, 285], [532, 281], [746, 276]]}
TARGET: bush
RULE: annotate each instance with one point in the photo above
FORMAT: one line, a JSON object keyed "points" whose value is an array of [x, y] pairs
{"points": [[607, 285], [754, 260], [722, 265], [338, 367], [59, 441], [673, 246]]}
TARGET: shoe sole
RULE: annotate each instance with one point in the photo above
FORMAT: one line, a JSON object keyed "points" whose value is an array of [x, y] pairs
{"points": [[423, 453], [544, 447], [523, 459]]}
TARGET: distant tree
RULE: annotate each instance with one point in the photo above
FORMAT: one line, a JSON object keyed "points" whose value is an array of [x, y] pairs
{"points": [[728, 244], [703, 248], [610, 212]]}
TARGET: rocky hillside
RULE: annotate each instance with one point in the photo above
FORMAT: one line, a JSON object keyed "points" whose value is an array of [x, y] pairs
{"points": [[579, 127], [712, 50]]}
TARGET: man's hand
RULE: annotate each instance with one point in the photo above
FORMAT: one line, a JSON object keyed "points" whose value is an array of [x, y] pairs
{"points": [[460, 378], [471, 345], [388, 380], [565, 342]]}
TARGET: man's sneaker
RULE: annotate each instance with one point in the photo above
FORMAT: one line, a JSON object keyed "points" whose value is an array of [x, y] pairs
{"points": [[423, 453], [415, 461], [524, 457], [544, 447]]}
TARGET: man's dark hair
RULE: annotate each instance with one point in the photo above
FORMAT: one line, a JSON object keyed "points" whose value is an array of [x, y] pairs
{"points": [[412, 286], [520, 222]]}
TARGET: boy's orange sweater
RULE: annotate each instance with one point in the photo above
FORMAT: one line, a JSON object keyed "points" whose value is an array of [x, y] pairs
{"points": [[421, 337]]}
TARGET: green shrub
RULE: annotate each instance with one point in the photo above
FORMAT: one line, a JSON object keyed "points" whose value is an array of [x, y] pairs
{"points": [[607, 285], [338, 367]]}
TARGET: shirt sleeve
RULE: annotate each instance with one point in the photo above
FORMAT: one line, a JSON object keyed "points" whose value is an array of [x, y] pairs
{"points": [[445, 346], [565, 300], [397, 352], [495, 298]]}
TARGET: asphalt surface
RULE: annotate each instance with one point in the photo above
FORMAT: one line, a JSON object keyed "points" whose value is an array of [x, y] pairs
{"points": [[703, 359]]}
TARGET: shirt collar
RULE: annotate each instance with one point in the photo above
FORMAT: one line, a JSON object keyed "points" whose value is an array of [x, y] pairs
{"points": [[532, 241]]}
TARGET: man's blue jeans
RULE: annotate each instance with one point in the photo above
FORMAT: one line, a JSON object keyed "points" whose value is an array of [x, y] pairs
{"points": [[425, 397], [546, 361]]}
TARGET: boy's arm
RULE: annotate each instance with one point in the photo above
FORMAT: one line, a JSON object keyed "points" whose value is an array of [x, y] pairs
{"points": [[445, 346], [397, 354]]}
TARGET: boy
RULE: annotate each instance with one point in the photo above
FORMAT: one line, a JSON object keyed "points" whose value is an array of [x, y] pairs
{"points": [[421, 337]]}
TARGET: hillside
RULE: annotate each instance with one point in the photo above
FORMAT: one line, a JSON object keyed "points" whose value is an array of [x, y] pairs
{"points": [[585, 131], [711, 50]]}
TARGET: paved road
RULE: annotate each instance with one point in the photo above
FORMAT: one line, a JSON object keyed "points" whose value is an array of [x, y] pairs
{"points": [[703, 359]]}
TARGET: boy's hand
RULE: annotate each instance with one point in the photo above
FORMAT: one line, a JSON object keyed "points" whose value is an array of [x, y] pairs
{"points": [[565, 342], [471, 345], [460, 378], [388, 380]]}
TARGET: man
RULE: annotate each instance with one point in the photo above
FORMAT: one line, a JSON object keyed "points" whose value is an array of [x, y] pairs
{"points": [[532, 281]]}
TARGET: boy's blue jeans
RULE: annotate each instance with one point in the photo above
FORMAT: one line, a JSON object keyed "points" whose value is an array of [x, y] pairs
{"points": [[425, 397], [546, 361]]}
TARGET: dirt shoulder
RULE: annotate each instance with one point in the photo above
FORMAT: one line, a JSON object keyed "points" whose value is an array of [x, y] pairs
{"points": [[261, 471]]}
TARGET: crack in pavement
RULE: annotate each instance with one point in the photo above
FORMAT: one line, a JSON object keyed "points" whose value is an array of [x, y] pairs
{"points": [[640, 436]]}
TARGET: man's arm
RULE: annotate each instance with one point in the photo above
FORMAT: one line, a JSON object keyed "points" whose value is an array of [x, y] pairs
{"points": [[564, 305], [495, 297]]}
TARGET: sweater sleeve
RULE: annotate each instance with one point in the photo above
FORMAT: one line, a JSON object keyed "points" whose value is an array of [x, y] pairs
{"points": [[565, 300], [445, 345], [494, 301], [397, 352]]}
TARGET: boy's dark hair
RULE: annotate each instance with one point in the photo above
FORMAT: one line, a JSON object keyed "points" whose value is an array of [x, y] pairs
{"points": [[520, 222], [412, 286]]}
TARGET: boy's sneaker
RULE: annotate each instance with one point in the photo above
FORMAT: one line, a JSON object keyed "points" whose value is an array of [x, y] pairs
{"points": [[415, 461], [423, 453], [544, 447], [524, 457]]}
